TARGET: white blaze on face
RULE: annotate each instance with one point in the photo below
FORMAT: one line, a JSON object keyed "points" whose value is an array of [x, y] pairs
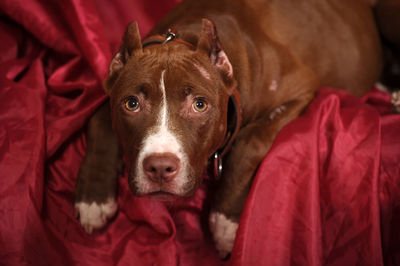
{"points": [[161, 140], [164, 102]]}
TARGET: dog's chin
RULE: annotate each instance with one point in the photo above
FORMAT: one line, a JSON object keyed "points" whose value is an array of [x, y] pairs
{"points": [[167, 192], [163, 196]]}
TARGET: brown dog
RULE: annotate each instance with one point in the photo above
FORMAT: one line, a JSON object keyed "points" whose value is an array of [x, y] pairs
{"points": [[178, 100]]}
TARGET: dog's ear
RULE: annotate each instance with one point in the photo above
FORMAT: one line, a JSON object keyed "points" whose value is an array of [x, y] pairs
{"points": [[209, 43], [131, 43]]}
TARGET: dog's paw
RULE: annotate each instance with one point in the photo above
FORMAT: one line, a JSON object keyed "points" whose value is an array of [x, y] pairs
{"points": [[95, 215], [224, 233], [396, 101]]}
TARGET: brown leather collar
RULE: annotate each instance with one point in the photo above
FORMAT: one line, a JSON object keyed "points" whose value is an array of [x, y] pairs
{"points": [[234, 105]]}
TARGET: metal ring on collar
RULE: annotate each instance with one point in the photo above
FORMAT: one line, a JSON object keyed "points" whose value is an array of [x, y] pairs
{"points": [[217, 165]]}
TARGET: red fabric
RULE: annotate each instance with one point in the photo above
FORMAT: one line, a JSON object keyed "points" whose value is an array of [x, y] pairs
{"points": [[328, 193]]}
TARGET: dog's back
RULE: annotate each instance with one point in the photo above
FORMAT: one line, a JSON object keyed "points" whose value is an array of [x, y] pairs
{"points": [[329, 37]]}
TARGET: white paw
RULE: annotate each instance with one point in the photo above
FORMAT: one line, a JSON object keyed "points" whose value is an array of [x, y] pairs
{"points": [[95, 215], [396, 101], [224, 233]]}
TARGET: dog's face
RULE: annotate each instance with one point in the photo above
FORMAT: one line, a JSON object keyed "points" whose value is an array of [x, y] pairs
{"points": [[169, 109]]}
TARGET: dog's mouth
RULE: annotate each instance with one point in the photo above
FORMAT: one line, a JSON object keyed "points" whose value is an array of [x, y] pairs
{"points": [[163, 196], [166, 193]]}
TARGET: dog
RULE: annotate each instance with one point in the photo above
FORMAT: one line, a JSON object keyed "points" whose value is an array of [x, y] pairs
{"points": [[214, 82]]}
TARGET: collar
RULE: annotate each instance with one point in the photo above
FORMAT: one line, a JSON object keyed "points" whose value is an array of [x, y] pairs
{"points": [[163, 39], [234, 123], [234, 115]]}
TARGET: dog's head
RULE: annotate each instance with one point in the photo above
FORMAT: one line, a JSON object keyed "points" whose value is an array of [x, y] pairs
{"points": [[169, 109]]}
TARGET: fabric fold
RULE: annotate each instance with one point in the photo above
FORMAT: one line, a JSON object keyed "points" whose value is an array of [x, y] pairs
{"points": [[327, 193]]}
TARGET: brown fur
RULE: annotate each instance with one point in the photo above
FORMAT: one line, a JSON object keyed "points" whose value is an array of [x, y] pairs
{"points": [[295, 45], [267, 41]]}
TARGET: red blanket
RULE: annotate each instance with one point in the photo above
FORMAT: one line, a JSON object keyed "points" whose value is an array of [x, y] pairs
{"points": [[328, 193]]}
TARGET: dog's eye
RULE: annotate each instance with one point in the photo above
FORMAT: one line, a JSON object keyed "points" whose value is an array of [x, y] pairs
{"points": [[199, 105], [132, 104]]}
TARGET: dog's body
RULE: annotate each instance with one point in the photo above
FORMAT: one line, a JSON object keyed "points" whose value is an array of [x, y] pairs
{"points": [[169, 101]]}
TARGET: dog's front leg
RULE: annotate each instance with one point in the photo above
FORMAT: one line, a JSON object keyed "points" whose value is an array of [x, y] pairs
{"points": [[251, 145], [95, 193]]}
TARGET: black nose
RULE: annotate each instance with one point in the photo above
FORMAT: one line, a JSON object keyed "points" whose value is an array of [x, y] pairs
{"points": [[161, 167]]}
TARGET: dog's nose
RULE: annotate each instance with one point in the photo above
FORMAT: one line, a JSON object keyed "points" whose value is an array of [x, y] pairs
{"points": [[161, 167]]}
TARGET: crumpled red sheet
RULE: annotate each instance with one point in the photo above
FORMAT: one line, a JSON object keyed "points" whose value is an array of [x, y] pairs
{"points": [[328, 193]]}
